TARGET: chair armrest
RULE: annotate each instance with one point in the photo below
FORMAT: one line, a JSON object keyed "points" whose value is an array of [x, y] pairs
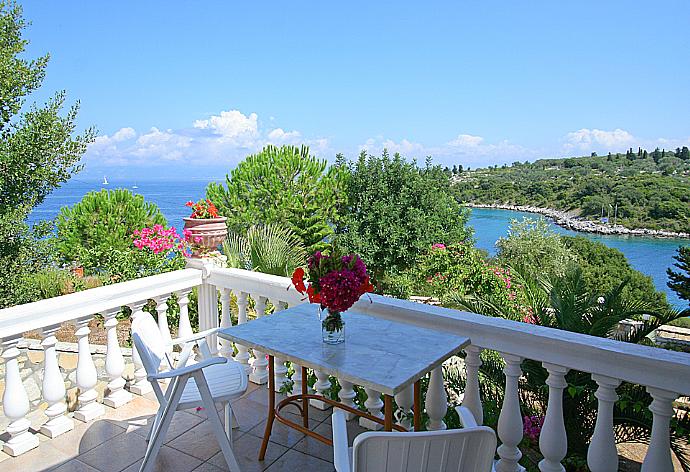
{"points": [[466, 417], [187, 369], [194, 337], [341, 453]]}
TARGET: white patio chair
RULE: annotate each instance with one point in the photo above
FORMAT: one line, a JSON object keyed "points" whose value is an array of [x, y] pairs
{"points": [[470, 449], [211, 380]]}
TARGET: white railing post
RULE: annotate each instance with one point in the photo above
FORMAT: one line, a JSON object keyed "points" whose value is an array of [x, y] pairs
{"points": [[280, 372], [602, 455], [140, 386], [242, 352], [553, 440], [184, 330], [321, 387], [225, 322], [87, 376], [404, 400], [658, 456], [162, 312], [116, 395], [373, 403], [208, 312], [347, 395], [436, 401], [472, 399], [259, 373], [510, 426], [15, 402], [53, 387]]}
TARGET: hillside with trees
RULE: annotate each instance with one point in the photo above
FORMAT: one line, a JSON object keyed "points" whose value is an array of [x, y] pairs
{"points": [[640, 189]]}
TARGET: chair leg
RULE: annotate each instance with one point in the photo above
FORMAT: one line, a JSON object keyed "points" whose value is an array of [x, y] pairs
{"points": [[156, 419], [161, 426], [228, 421], [214, 419]]}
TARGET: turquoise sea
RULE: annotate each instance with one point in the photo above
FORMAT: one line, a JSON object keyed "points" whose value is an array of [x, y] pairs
{"points": [[648, 255]]}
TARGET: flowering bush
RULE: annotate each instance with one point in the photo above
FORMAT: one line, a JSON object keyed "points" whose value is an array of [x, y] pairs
{"points": [[160, 240], [335, 281], [202, 209], [531, 427]]}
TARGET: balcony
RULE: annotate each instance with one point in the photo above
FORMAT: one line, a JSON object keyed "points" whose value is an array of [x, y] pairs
{"points": [[49, 427]]}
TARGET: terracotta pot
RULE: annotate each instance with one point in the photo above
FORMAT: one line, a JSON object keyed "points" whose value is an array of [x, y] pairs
{"points": [[211, 230]]}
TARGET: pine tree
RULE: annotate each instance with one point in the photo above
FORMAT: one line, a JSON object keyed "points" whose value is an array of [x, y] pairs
{"points": [[680, 281]]}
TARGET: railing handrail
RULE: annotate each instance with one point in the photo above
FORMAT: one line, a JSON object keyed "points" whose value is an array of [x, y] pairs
{"points": [[643, 365], [54, 311]]}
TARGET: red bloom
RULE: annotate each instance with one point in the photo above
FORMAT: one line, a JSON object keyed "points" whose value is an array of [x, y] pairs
{"points": [[298, 280], [313, 296]]}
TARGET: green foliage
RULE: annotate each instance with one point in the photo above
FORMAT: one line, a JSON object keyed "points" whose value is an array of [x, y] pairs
{"points": [[267, 248], [38, 152], [680, 280], [534, 248], [603, 268], [648, 192], [96, 233], [395, 211], [285, 185]]}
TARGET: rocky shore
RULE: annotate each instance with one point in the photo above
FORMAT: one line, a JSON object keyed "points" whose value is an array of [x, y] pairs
{"points": [[568, 221]]}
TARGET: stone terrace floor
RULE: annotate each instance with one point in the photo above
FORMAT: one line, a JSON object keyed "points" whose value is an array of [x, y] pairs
{"points": [[116, 442]]}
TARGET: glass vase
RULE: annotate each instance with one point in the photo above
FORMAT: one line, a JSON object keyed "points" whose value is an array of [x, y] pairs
{"points": [[332, 326]]}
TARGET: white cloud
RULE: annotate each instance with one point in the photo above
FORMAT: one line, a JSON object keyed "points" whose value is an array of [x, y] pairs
{"points": [[587, 139], [124, 134], [278, 135], [466, 140], [230, 124]]}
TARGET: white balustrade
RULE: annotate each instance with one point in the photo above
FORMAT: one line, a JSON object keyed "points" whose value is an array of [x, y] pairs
{"points": [[116, 395], [471, 398], [87, 376], [226, 349], [259, 373], [296, 379], [553, 441], [207, 309], [658, 457], [242, 352], [404, 400], [280, 372], [602, 455], [53, 387], [162, 312], [373, 404], [184, 329], [15, 402], [321, 387], [510, 426], [141, 385], [436, 401]]}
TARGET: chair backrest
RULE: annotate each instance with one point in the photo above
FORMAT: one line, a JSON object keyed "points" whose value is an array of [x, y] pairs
{"points": [[457, 450], [148, 342]]}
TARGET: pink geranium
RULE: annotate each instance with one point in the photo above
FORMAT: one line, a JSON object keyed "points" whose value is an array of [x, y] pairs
{"points": [[160, 240]]}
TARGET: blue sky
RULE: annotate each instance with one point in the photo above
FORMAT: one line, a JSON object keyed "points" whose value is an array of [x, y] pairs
{"points": [[190, 88]]}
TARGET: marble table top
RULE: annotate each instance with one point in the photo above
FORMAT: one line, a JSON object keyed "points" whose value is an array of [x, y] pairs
{"points": [[383, 355]]}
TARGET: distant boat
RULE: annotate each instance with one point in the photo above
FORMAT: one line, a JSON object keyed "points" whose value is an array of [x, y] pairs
{"points": [[105, 180], [135, 186]]}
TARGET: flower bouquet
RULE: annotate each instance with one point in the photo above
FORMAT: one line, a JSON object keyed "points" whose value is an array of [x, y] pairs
{"points": [[335, 282]]}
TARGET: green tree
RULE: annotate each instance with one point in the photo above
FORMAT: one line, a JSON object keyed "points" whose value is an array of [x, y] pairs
{"points": [[395, 211], [38, 152], [285, 185], [680, 280]]}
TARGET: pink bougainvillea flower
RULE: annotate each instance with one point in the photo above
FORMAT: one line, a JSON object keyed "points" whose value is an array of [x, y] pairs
{"points": [[438, 246]]}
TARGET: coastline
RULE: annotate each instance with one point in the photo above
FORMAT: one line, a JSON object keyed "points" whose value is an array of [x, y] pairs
{"points": [[563, 219]]}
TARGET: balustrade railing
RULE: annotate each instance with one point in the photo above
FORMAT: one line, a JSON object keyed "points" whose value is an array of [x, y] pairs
{"points": [[244, 295]]}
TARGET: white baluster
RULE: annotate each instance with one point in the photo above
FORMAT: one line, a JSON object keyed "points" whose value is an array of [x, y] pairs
{"points": [[472, 399], [436, 400], [373, 403], [140, 386], [87, 376], [259, 373], [297, 379], [207, 307], [162, 311], [510, 426], [242, 352], [53, 388], [658, 458], [553, 441], [15, 402], [225, 322], [114, 364], [321, 387], [404, 400], [280, 372], [602, 455], [184, 330]]}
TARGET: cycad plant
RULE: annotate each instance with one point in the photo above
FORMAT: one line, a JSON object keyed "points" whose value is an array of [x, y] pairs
{"points": [[270, 249], [564, 303]]}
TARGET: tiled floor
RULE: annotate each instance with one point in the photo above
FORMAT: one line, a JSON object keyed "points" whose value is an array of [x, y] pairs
{"points": [[116, 442]]}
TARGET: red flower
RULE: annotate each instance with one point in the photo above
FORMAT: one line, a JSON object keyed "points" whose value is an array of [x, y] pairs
{"points": [[298, 280], [366, 286], [313, 297]]}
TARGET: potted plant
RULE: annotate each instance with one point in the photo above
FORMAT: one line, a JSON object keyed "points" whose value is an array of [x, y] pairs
{"points": [[205, 226], [335, 282]]}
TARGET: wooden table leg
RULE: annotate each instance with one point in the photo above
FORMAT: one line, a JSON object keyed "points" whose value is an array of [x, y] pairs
{"points": [[387, 413], [305, 401], [417, 407], [271, 406]]}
